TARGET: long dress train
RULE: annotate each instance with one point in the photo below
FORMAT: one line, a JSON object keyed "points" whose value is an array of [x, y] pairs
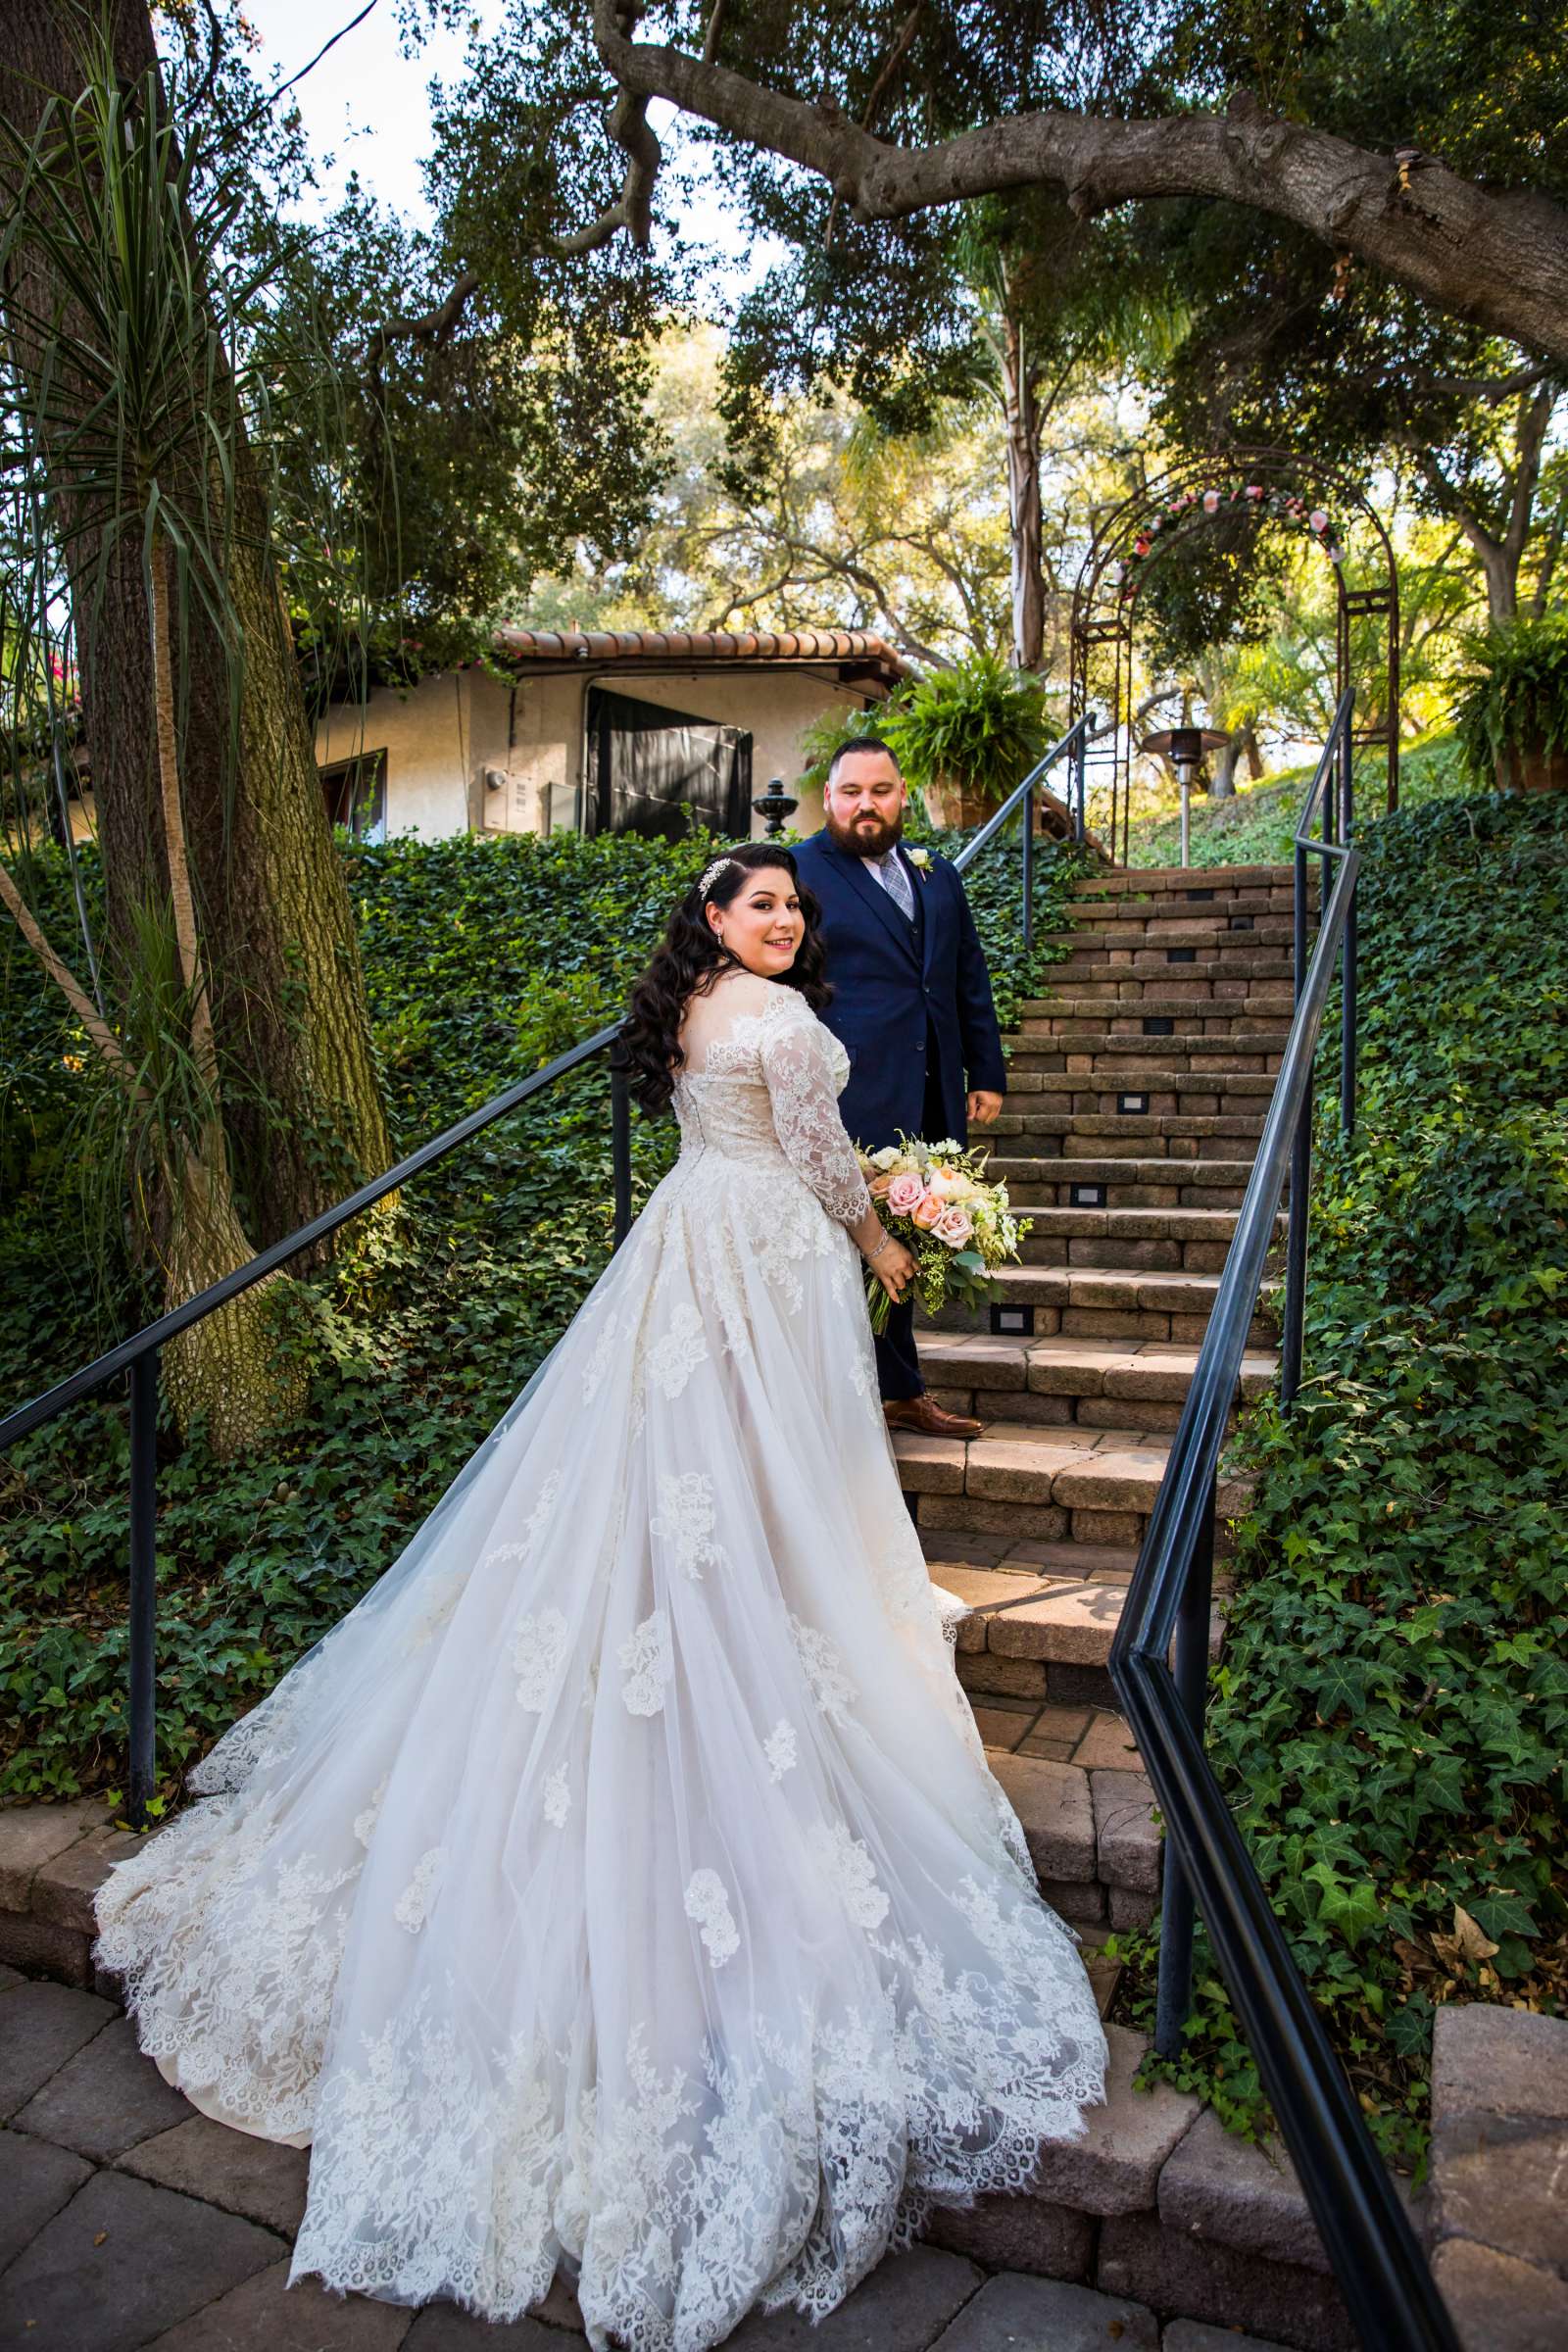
{"points": [[620, 1883]]}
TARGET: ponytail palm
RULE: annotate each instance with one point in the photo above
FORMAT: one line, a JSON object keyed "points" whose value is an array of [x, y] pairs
{"points": [[125, 418]]}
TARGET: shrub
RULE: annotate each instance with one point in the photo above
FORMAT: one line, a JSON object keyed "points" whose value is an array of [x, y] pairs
{"points": [[1515, 698], [979, 725]]}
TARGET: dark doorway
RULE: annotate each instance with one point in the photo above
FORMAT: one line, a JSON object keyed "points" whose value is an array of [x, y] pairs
{"points": [[650, 765]]}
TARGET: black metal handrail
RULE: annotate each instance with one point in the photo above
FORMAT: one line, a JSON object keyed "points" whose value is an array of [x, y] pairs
{"points": [[1386, 2283], [1074, 745], [138, 1358]]}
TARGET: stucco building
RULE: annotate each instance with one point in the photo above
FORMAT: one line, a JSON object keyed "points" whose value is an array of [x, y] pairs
{"points": [[597, 732]]}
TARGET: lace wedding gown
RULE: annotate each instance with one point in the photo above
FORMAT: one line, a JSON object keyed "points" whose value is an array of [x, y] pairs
{"points": [[621, 1882]]}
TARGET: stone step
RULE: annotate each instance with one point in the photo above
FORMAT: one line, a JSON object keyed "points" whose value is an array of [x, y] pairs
{"points": [[1099, 1384], [1179, 985], [1113, 1051], [1152, 2202], [1158, 2203], [1087, 968], [1098, 1864], [1070, 1484], [1167, 881], [1161, 1085], [1109, 1302], [1097, 1135], [1039, 1630], [1153, 1182], [1216, 931], [1170, 1240], [1205, 1016]]}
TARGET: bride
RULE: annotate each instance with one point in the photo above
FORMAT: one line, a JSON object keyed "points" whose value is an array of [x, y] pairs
{"points": [[621, 1885]]}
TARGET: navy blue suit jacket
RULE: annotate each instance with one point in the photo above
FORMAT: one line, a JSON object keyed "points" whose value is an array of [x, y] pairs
{"points": [[904, 1005]]}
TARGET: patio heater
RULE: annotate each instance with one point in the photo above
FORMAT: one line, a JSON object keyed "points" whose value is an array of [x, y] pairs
{"points": [[1184, 748]]}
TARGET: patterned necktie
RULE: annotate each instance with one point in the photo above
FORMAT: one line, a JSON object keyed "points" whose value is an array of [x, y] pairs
{"points": [[888, 870]]}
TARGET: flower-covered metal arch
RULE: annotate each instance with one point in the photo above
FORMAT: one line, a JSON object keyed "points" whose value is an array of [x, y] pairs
{"points": [[1277, 485]]}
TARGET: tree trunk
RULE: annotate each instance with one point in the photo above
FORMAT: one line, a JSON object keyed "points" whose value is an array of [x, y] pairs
{"points": [[1222, 783], [1022, 419], [303, 1107]]}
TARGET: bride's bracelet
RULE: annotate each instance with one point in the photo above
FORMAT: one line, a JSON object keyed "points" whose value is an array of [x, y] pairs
{"points": [[872, 1256]]}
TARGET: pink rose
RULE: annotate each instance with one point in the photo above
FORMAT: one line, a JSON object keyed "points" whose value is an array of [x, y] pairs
{"points": [[905, 1194], [928, 1212], [1318, 520], [953, 1226], [1210, 502], [880, 1185]]}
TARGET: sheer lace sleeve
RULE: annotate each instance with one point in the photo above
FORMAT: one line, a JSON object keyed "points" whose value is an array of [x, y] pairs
{"points": [[797, 1063]]}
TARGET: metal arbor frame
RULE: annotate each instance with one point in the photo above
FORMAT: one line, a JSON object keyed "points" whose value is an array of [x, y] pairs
{"points": [[1104, 607]]}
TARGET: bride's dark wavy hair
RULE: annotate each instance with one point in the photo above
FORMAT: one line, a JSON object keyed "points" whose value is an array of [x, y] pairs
{"points": [[689, 959]]}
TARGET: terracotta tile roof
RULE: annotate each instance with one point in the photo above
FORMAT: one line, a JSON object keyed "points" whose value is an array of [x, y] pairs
{"points": [[857, 649]]}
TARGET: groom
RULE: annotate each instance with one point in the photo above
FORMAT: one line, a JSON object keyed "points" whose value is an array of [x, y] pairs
{"points": [[912, 1004]]}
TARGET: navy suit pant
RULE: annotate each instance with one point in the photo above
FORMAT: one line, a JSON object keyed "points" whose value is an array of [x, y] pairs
{"points": [[898, 1364]]}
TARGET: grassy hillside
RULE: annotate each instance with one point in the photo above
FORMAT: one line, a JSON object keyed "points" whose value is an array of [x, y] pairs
{"points": [[1254, 828]]}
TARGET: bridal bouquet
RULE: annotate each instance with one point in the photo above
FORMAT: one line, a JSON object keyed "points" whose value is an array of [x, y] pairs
{"points": [[935, 1199]]}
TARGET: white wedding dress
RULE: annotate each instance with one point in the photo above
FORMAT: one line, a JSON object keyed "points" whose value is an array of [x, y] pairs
{"points": [[621, 1883]]}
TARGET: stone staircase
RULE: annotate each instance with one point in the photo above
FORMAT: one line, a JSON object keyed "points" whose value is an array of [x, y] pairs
{"points": [[1137, 1093]]}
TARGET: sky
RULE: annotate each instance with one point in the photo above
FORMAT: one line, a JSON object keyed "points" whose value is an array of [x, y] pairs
{"points": [[367, 105]]}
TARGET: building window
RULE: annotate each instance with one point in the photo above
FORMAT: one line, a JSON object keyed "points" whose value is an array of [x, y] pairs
{"points": [[658, 771], [355, 791]]}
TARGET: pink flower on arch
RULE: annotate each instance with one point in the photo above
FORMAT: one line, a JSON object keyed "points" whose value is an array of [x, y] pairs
{"points": [[1210, 502], [1318, 520], [1254, 489]]}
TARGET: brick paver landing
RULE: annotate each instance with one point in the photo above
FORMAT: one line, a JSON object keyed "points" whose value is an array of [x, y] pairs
{"points": [[127, 2220]]}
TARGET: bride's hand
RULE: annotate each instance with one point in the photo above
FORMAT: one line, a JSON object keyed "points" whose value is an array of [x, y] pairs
{"points": [[894, 1268]]}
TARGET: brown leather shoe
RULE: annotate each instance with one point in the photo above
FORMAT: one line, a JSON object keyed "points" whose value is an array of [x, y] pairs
{"points": [[931, 1419]]}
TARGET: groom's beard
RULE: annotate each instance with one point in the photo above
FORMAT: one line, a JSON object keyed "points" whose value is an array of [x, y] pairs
{"points": [[867, 835]]}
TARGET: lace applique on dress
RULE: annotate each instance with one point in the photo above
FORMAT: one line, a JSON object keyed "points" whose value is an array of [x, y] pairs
{"points": [[558, 1798], [684, 1521], [671, 1360], [445, 1591], [831, 1685], [779, 1748], [647, 1662], [365, 1822], [538, 1654], [707, 1902], [599, 1362], [534, 1525], [847, 1861], [412, 1906]]}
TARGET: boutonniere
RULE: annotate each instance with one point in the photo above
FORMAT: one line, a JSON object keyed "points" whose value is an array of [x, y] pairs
{"points": [[920, 859]]}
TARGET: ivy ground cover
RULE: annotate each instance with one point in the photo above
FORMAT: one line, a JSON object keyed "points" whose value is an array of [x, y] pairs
{"points": [[1390, 1716]]}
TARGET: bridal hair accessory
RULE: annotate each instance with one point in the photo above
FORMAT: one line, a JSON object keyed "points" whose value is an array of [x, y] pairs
{"points": [[711, 875]]}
